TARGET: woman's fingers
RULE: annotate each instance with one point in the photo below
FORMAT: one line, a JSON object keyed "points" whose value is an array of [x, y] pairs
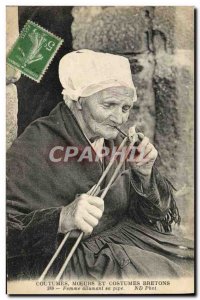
{"points": [[148, 149], [144, 153], [149, 158], [96, 201], [95, 211], [83, 213], [87, 221], [140, 135], [88, 212], [143, 144], [90, 219], [85, 227]]}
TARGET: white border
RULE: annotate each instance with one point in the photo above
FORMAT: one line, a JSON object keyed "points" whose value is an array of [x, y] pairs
{"points": [[103, 3], [3, 3]]}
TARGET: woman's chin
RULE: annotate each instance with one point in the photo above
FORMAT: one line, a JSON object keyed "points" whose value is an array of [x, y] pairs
{"points": [[110, 135]]}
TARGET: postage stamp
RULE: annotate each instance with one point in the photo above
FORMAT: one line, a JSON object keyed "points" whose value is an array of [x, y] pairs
{"points": [[33, 51]]}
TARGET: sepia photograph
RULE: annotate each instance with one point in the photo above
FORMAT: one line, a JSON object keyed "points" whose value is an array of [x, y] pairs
{"points": [[100, 140]]}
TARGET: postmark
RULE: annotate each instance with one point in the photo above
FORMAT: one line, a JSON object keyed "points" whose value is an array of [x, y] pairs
{"points": [[33, 51]]}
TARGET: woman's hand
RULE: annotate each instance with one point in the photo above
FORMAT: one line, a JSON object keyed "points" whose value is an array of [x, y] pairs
{"points": [[83, 213], [145, 156]]}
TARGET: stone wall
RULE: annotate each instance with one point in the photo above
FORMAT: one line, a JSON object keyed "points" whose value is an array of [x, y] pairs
{"points": [[12, 76], [159, 44]]}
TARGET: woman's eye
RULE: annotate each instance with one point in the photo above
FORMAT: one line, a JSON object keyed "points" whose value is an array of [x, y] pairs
{"points": [[108, 104], [126, 108]]}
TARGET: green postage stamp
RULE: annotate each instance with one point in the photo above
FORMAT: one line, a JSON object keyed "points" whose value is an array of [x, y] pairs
{"points": [[33, 51]]}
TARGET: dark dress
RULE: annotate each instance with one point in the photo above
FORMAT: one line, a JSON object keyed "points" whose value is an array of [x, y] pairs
{"points": [[133, 237]]}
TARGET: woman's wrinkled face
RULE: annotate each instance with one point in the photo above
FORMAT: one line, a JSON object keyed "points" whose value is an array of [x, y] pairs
{"points": [[105, 109]]}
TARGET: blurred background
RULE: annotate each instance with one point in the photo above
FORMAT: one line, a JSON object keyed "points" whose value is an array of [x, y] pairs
{"points": [[159, 43]]}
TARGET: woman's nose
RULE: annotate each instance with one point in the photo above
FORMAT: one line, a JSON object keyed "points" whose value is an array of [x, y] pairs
{"points": [[117, 117]]}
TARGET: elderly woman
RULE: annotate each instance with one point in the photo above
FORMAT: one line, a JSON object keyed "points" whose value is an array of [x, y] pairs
{"points": [[126, 235]]}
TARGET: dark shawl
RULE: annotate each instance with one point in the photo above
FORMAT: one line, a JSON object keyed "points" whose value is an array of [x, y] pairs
{"points": [[38, 188]]}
